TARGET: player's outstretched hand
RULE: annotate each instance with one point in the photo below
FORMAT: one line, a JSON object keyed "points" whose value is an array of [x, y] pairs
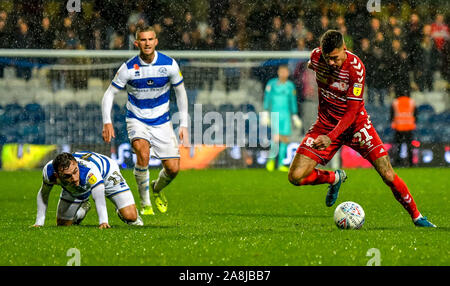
{"points": [[322, 142], [108, 132], [104, 225], [184, 137]]}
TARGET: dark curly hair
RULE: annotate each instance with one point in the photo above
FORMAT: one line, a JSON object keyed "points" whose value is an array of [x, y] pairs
{"points": [[62, 161]]}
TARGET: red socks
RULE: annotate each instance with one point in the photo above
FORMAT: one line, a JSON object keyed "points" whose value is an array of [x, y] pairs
{"points": [[317, 177], [402, 194]]}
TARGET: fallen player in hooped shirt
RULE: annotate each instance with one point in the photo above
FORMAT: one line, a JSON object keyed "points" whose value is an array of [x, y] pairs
{"points": [[81, 174]]}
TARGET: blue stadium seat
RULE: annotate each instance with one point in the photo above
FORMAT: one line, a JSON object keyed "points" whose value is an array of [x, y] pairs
{"points": [[227, 107], [425, 108], [13, 113], [426, 135], [119, 113], [207, 107], [93, 111], [247, 107], [424, 113], [387, 135], [34, 112], [73, 105], [445, 117]]}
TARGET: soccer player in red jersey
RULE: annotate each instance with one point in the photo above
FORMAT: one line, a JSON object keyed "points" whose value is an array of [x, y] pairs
{"points": [[343, 120]]}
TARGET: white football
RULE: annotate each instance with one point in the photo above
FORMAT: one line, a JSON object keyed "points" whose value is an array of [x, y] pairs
{"points": [[349, 215]]}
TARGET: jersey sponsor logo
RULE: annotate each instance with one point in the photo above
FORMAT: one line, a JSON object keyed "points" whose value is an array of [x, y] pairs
{"points": [[92, 179], [357, 88], [309, 142], [342, 86]]}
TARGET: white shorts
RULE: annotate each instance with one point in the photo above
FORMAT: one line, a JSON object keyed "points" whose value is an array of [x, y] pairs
{"points": [[162, 139], [68, 209]]}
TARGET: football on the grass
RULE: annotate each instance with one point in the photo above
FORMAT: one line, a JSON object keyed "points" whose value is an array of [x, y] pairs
{"points": [[349, 215]]}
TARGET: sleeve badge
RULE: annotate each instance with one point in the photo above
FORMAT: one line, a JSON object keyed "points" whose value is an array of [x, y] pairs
{"points": [[357, 88], [92, 179]]}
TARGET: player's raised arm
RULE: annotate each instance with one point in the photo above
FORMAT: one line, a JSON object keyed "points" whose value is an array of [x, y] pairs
{"points": [[42, 203]]}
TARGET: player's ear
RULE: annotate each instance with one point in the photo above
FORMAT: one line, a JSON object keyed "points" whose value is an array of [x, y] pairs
{"points": [[136, 43], [156, 42]]}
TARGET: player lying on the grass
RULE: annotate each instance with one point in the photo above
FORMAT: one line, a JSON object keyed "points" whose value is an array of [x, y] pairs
{"points": [[343, 120], [81, 174]]}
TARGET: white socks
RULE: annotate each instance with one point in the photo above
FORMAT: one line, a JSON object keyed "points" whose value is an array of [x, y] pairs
{"points": [[80, 214], [142, 176], [162, 181]]}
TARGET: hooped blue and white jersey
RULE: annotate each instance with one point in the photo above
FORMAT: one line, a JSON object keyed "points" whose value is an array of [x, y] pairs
{"points": [[148, 87]]}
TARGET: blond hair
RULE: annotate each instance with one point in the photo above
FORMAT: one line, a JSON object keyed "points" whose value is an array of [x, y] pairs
{"points": [[145, 29]]}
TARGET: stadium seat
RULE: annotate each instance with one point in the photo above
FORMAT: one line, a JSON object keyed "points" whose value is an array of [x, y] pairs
{"points": [[119, 113], [72, 106], [13, 114], [207, 107], [426, 135], [247, 107], [2, 112], [424, 113], [387, 135], [34, 112], [226, 107], [93, 111]]}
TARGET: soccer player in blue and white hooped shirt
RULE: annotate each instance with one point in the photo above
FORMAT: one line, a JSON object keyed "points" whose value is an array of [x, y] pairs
{"points": [[81, 174], [147, 78]]}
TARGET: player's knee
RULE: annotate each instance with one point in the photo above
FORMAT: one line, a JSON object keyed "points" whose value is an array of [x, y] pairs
{"points": [[143, 157], [172, 169], [129, 214], [295, 176], [63, 222]]}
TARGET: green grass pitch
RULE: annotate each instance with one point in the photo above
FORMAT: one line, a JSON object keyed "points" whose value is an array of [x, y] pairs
{"points": [[236, 218]]}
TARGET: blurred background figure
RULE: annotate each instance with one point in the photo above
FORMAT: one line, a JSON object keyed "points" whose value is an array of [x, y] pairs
{"points": [[280, 97], [399, 70], [403, 118], [24, 40], [232, 75]]}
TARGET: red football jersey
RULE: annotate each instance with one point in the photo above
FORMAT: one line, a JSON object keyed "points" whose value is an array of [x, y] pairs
{"points": [[336, 87]]}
